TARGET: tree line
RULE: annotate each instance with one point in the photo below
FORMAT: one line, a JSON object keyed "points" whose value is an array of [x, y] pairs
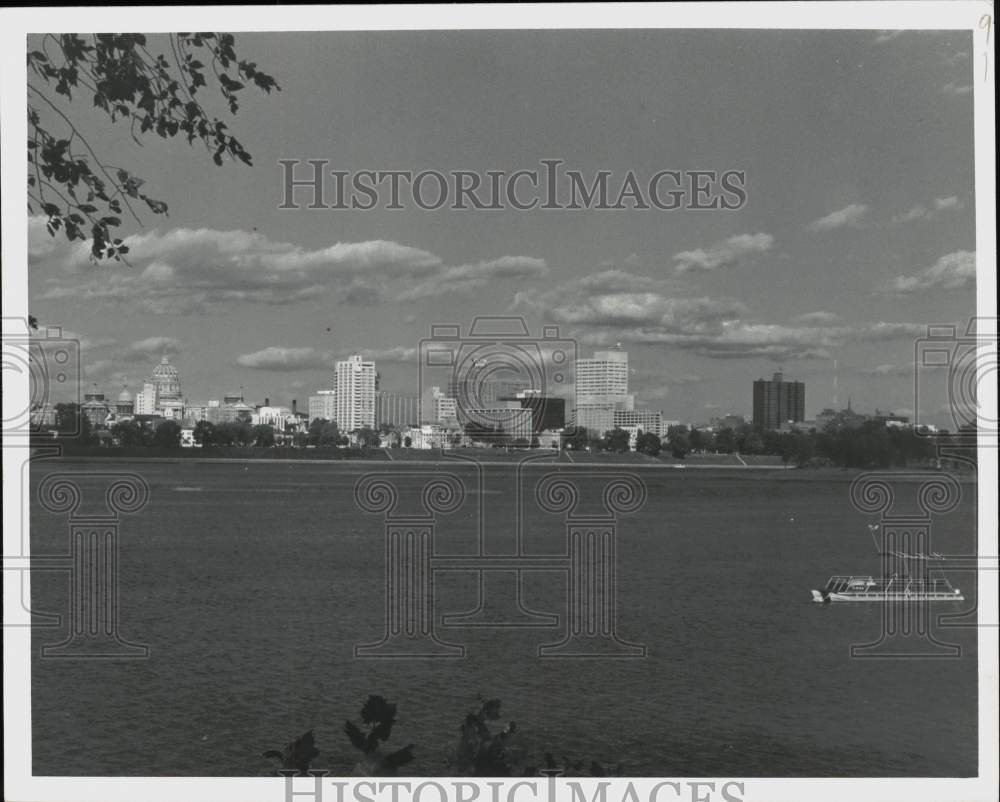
{"points": [[871, 444], [868, 444]]}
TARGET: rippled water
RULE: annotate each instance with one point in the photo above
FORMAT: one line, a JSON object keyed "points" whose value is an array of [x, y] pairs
{"points": [[252, 584]]}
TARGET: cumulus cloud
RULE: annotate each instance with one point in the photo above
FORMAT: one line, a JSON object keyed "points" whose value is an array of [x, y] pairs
{"points": [[712, 327], [398, 353], [278, 357], [850, 215], [152, 347], [184, 271], [724, 253], [887, 36], [817, 317], [922, 212], [952, 88], [889, 370], [952, 271], [471, 276]]}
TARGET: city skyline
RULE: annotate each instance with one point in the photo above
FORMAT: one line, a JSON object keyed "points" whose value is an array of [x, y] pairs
{"points": [[830, 273]]}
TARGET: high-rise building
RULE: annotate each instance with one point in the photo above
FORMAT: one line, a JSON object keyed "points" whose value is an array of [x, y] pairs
{"points": [[602, 389], [145, 401], [323, 405], [776, 401], [437, 407], [395, 409], [354, 386]]}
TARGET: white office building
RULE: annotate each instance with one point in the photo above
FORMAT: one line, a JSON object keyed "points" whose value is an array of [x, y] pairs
{"points": [[354, 388], [323, 405], [602, 390]]}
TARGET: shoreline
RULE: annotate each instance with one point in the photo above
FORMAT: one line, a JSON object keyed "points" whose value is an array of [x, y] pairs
{"points": [[672, 467]]}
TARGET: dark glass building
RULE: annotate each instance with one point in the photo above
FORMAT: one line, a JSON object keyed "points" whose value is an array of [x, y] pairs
{"points": [[776, 401]]}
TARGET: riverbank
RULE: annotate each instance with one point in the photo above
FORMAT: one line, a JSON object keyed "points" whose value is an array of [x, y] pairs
{"points": [[453, 459]]}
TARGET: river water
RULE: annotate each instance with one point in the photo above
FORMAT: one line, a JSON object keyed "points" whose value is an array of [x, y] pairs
{"points": [[252, 583]]}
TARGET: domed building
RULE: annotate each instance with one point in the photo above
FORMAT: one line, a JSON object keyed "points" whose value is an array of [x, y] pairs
{"points": [[95, 407], [167, 379], [125, 405], [161, 393]]}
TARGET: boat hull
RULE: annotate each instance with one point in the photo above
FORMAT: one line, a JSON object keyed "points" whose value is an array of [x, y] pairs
{"points": [[825, 598]]}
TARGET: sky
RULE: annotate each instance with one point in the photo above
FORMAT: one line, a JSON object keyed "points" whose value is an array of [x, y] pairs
{"points": [[857, 233]]}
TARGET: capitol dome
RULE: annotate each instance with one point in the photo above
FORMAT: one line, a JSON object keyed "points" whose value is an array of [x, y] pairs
{"points": [[165, 370], [125, 397], [167, 379]]}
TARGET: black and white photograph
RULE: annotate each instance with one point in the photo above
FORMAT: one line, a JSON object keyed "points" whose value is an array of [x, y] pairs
{"points": [[500, 403]]}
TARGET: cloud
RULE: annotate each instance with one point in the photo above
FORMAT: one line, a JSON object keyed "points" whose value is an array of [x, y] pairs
{"points": [[713, 327], [952, 271], [850, 215], [152, 347], [887, 36], [399, 353], [98, 369], [921, 212], [889, 370], [471, 276], [818, 317], [724, 253], [951, 88], [186, 271], [277, 357]]}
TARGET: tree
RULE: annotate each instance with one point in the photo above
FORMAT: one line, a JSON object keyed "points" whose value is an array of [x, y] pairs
{"points": [[168, 434], [378, 716], [615, 440], [648, 443], [576, 438], [263, 435], [83, 194], [696, 439], [407, 441], [297, 754], [367, 437], [244, 433], [679, 441], [725, 440], [225, 434], [73, 426], [204, 432], [128, 434]]}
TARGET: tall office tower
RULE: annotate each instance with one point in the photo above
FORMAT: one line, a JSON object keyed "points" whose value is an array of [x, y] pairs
{"points": [[602, 389], [354, 387], [776, 401]]}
